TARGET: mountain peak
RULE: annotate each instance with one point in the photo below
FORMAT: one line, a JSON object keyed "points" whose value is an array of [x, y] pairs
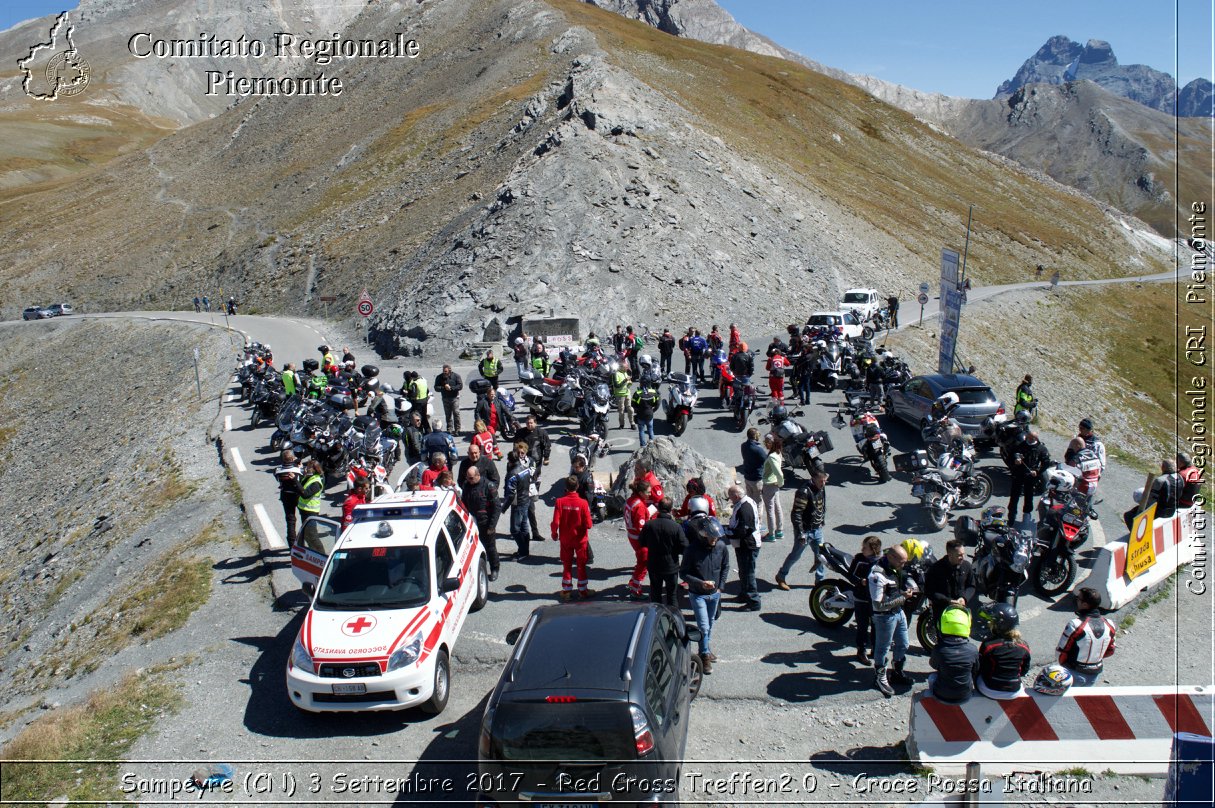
{"points": [[1098, 52]]}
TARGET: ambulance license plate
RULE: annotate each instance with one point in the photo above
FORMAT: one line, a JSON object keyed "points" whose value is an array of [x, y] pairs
{"points": [[353, 689]]}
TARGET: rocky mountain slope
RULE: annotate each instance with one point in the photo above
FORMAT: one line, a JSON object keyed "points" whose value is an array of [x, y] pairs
{"points": [[1061, 60], [546, 155]]}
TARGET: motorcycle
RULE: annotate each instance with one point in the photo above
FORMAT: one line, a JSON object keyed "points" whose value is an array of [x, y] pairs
{"points": [[950, 483], [871, 442], [830, 366], [798, 447], [588, 447], [266, 397], [1001, 561], [941, 434], [1007, 436], [596, 403], [548, 397], [680, 403], [718, 360], [1063, 527], [744, 401]]}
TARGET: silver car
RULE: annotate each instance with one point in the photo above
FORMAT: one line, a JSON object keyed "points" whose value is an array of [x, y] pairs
{"points": [[912, 401], [59, 309]]}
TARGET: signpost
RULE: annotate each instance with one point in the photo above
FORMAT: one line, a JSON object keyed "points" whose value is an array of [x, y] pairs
{"points": [[1141, 551], [951, 309], [197, 380], [922, 299], [365, 308], [327, 299]]}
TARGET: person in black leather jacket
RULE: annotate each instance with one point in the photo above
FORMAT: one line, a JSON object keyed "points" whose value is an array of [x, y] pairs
{"points": [[1004, 658], [858, 570], [1030, 460], [950, 581]]}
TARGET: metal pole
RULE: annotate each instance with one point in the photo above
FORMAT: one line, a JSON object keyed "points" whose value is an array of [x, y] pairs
{"points": [[966, 248], [921, 315], [970, 797], [197, 378]]}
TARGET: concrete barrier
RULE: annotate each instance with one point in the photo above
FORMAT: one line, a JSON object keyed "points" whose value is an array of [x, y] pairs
{"points": [[1177, 541], [1128, 730]]}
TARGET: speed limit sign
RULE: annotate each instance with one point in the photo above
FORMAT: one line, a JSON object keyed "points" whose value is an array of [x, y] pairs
{"points": [[365, 308]]}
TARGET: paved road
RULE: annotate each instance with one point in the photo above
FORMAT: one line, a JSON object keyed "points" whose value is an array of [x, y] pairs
{"points": [[777, 661]]}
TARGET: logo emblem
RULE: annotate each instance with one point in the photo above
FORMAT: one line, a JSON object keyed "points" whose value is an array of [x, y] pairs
{"points": [[359, 626], [67, 72], [348, 673]]}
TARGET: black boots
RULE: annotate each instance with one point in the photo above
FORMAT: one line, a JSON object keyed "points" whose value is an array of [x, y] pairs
{"points": [[897, 676]]}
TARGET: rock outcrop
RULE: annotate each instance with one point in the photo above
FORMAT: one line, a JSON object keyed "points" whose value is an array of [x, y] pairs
{"points": [[674, 463]]}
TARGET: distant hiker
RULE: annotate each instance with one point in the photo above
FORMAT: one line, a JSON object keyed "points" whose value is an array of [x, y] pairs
{"points": [[197, 304], [892, 308], [1038, 272], [1054, 280], [206, 303]]}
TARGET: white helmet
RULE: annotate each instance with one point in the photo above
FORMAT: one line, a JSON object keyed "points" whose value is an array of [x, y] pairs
{"points": [[1060, 480], [518, 340], [698, 505], [1054, 680], [645, 360]]}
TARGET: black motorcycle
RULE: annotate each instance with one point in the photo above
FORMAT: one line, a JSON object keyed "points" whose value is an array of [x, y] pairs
{"points": [[799, 447], [1001, 561], [832, 602], [744, 401], [1063, 527]]}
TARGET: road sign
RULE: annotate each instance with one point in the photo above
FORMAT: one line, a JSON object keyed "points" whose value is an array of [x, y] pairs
{"points": [[328, 298], [951, 308], [924, 288], [365, 308], [922, 298]]}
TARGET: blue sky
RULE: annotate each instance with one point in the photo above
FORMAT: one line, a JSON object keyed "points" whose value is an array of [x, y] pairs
{"points": [[946, 46], [967, 48]]}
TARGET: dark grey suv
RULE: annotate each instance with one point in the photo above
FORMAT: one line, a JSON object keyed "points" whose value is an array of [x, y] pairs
{"points": [[592, 706], [976, 401]]}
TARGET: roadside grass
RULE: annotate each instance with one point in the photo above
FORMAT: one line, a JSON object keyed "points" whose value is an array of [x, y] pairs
{"points": [[103, 728], [1160, 596], [178, 584]]}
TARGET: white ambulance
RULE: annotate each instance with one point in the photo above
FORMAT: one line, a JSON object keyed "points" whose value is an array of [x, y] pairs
{"points": [[389, 596]]}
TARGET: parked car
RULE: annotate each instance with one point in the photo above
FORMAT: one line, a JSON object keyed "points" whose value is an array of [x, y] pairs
{"points": [[866, 301], [59, 309], [389, 596], [36, 313], [852, 326], [592, 706], [912, 401]]}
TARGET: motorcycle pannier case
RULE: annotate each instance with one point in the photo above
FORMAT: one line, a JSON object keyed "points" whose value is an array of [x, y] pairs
{"points": [[911, 462], [824, 441], [479, 386]]}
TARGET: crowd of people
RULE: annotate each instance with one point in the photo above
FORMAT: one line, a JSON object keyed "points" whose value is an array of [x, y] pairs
{"points": [[688, 548]]}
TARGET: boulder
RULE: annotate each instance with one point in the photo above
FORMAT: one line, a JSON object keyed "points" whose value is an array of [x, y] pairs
{"points": [[674, 462]]}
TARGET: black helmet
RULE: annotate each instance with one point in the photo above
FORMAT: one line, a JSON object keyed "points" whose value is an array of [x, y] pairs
{"points": [[995, 517], [1001, 617], [369, 371], [311, 365], [323, 348], [780, 412], [1023, 417]]}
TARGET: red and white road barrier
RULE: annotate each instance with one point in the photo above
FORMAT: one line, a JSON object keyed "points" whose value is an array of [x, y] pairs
{"points": [[1178, 540], [1128, 730]]}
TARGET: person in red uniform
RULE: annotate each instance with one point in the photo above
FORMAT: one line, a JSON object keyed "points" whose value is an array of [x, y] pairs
{"points": [[638, 511], [438, 465], [736, 343], [644, 472], [695, 488], [572, 526], [357, 496], [777, 365]]}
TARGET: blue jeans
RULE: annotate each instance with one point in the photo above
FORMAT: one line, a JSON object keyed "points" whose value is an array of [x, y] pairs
{"points": [[704, 607], [747, 559], [1083, 679], [698, 365], [886, 627], [520, 529], [644, 429], [814, 537], [803, 388]]}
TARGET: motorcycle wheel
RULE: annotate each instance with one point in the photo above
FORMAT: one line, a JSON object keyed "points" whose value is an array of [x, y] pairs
{"points": [[937, 513], [880, 466], [276, 441], [867, 332], [820, 594], [679, 424], [1054, 575], [978, 492], [740, 418], [926, 630]]}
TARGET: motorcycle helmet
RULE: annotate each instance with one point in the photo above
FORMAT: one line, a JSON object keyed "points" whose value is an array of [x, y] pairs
{"points": [[1022, 417], [518, 340], [955, 622], [914, 549], [324, 349], [372, 385], [698, 505], [645, 360], [1001, 618], [593, 342], [994, 518], [1060, 481], [945, 405], [1054, 680], [779, 413], [311, 365], [369, 371]]}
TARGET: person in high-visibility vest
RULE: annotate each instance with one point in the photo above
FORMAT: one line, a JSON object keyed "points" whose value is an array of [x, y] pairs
{"points": [[289, 379], [490, 368], [418, 395], [311, 489], [621, 384]]}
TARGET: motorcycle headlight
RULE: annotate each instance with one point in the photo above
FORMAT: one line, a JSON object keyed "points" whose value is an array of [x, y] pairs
{"points": [[300, 658], [406, 654]]}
